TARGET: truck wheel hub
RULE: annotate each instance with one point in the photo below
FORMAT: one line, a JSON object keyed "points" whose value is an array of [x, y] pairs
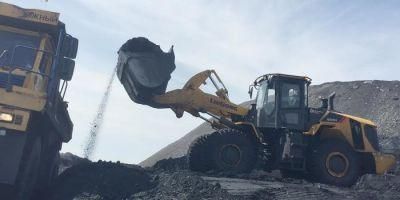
{"points": [[337, 164]]}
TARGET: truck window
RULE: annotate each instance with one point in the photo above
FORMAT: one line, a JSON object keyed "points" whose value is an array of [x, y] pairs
{"points": [[18, 50]]}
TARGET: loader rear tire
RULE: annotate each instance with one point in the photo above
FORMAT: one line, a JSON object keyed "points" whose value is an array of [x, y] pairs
{"points": [[334, 162], [226, 150]]}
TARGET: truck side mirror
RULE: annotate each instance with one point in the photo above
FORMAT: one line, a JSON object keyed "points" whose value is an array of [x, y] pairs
{"points": [[66, 70], [70, 47], [251, 91]]}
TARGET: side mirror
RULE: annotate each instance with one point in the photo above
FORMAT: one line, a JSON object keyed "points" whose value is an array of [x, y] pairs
{"points": [[66, 70], [251, 91], [70, 47]]}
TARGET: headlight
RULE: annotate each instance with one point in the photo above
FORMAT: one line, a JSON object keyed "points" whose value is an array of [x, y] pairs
{"points": [[5, 117]]}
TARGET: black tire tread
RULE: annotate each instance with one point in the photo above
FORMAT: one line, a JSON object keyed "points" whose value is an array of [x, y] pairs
{"points": [[29, 169], [202, 146], [202, 152], [317, 168]]}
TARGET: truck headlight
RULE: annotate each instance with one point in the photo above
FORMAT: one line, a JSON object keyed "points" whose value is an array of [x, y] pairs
{"points": [[6, 117]]}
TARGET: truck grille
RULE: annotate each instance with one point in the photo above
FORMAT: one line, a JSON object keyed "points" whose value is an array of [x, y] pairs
{"points": [[16, 80]]}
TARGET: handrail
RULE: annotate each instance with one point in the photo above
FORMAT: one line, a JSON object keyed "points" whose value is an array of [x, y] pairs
{"points": [[10, 73], [28, 47], [13, 68]]}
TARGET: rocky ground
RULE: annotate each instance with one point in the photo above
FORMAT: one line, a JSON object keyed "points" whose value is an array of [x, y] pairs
{"points": [[165, 176], [170, 179]]}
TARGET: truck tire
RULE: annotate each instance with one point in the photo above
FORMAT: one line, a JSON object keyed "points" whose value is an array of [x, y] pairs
{"points": [[50, 167], [55, 169], [227, 150], [334, 162], [48, 172], [29, 168]]}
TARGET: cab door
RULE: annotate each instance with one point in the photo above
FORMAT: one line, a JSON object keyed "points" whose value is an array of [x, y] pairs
{"points": [[292, 104]]}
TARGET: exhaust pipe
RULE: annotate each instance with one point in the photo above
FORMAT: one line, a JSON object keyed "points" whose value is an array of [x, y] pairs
{"points": [[330, 101]]}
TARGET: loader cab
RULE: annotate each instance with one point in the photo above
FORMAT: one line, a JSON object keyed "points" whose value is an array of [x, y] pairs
{"points": [[282, 101]]}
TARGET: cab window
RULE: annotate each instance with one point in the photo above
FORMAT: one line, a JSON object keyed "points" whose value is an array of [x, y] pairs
{"points": [[266, 105], [17, 50], [290, 95]]}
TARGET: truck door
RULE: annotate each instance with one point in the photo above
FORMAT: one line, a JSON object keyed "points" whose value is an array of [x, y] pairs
{"points": [[292, 105]]}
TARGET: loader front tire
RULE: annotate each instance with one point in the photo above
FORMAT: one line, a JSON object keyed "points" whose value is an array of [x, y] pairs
{"points": [[335, 162], [199, 153], [235, 151]]}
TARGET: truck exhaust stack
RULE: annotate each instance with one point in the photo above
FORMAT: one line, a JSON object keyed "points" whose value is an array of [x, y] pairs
{"points": [[144, 69]]}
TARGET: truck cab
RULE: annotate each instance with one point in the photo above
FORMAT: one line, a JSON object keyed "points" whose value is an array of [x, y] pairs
{"points": [[36, 63]]}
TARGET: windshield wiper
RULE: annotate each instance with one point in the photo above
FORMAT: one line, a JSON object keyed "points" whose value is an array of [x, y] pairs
{"points": [[3, 57]]}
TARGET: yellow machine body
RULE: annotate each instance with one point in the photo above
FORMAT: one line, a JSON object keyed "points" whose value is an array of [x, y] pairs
{"points": [[194, 101], [36, 61], [31, 94], [340, 128]]}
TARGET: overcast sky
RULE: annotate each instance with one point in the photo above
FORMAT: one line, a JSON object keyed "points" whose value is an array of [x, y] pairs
{"points": [[326, 40]]}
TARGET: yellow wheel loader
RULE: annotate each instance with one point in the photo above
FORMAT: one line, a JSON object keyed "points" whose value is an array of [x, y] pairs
{"points": [[36, 61], [278, 131]]}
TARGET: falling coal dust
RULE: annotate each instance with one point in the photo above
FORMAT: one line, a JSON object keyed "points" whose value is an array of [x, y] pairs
{"points": [[98, 120]]}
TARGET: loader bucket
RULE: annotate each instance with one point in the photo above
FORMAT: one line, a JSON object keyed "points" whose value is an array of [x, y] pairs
{"points": [[144, 69]]}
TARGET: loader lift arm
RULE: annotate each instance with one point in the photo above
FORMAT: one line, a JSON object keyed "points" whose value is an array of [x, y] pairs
{"points": [[145, 70], [194, 101]]}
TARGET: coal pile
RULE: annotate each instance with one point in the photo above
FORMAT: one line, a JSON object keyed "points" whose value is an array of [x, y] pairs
{"points": [[68, 160], [172, 164], [170, 179], [183, 185], [100, 180]]}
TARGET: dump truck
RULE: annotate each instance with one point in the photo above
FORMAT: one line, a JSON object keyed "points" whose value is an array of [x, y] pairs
{"points": [[36, 63], [277, 131]]}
